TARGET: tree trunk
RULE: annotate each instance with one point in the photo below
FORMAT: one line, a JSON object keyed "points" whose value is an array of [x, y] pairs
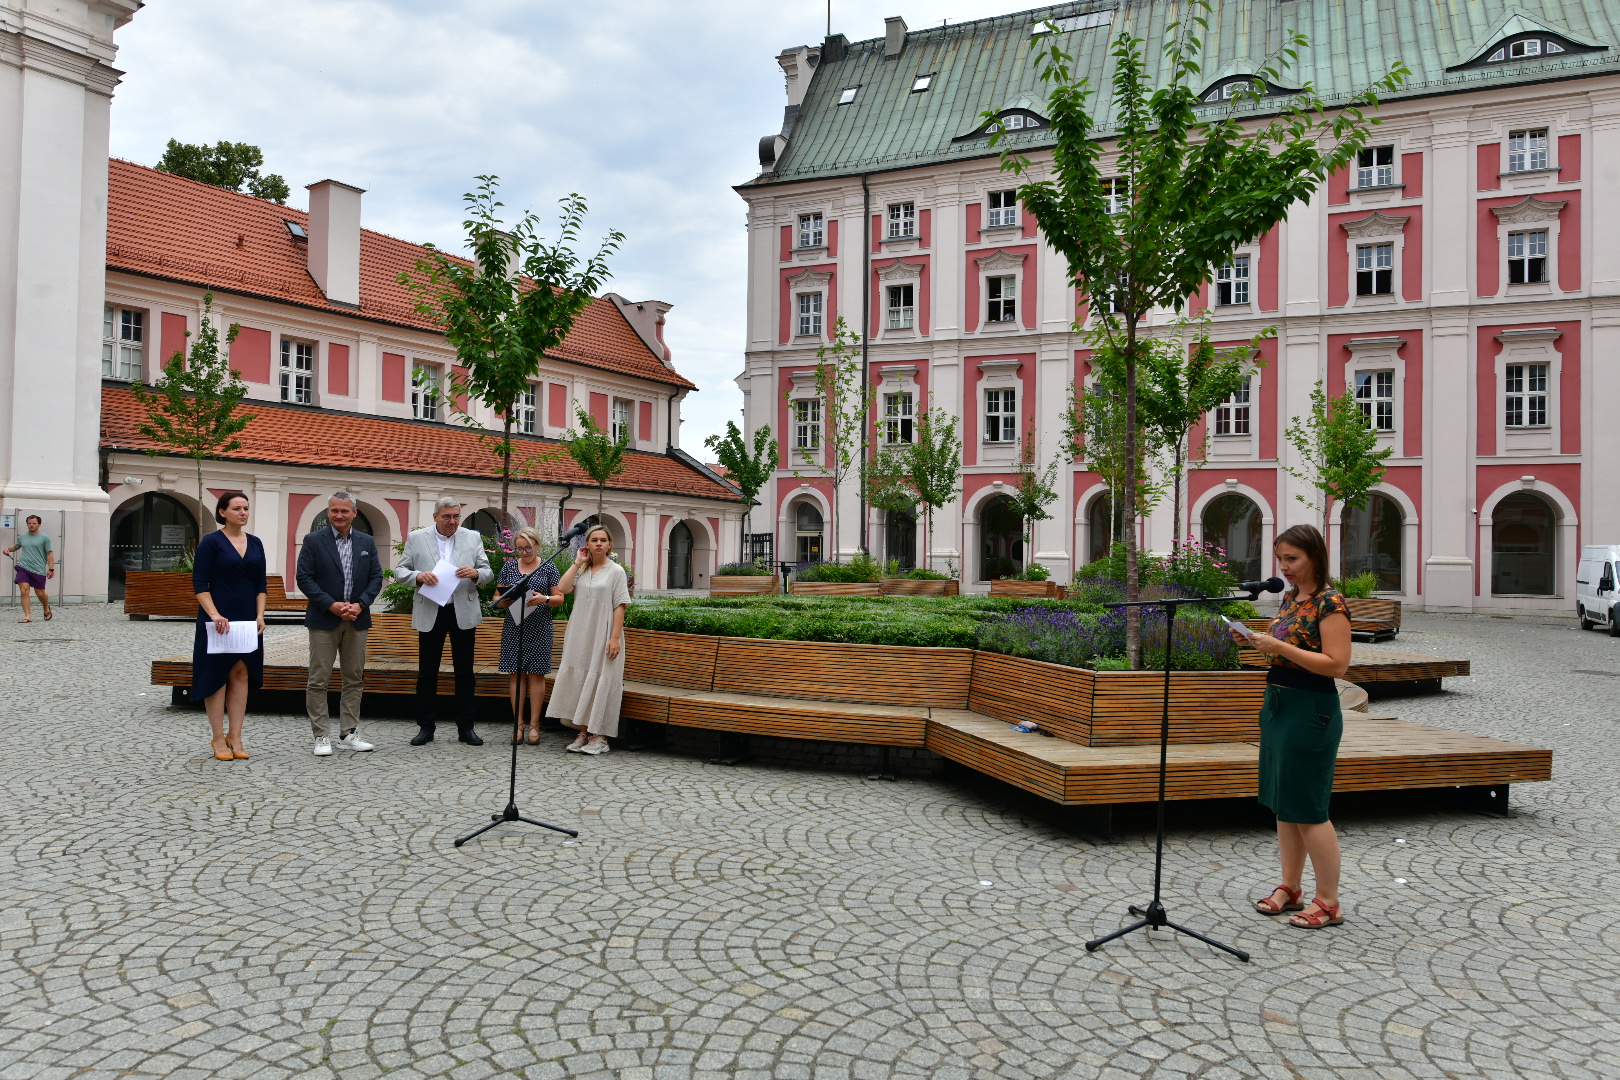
{"points": [[506, 463], [202, 507], [1133, 622], [601, 497]]}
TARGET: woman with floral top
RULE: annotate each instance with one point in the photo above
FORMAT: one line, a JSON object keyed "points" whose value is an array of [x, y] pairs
{"points": [[1300, 728]]}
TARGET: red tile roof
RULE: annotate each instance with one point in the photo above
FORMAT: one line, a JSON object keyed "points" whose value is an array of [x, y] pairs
{"points": [[170, 227], [320, 438]]}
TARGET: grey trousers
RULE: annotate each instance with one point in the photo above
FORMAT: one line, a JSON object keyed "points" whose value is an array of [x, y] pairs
{"points": [[345, 646]]}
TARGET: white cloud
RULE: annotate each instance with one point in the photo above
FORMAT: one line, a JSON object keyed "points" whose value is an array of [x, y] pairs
{"points": [[651, 109]]}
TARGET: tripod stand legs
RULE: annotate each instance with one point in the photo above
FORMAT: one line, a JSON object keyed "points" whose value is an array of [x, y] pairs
{"points": [[511, 814], [1152, 916]]}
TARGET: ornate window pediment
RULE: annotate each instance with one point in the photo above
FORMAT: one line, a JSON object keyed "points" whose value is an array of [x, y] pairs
{"points": [[1001, 262], [1375, 224], [1017, 120], [1240, 85], [1529, 210], [899, 272], [809, 279], [1518, 37]]}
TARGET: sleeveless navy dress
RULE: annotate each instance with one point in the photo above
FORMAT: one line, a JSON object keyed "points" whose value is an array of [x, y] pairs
{"points": [[235, 582]]}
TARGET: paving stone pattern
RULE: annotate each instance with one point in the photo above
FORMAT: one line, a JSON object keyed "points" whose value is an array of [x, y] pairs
{"points": [[164, 914]]}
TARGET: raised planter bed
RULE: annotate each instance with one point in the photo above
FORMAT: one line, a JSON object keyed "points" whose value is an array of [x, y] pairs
{"points": [[168, 594], [835, 588], [899, 586], [1008, 587], [744, 585], [1379, 619]]}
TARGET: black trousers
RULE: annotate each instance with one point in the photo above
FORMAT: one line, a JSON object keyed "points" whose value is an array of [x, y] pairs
{"points": [[429, 651]]}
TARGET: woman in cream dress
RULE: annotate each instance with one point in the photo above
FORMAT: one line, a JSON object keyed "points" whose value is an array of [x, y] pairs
{"points": [[590, 679]]}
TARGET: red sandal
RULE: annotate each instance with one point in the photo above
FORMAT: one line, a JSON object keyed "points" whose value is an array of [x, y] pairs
{"points": [[1324, 915], [1267, 905]]}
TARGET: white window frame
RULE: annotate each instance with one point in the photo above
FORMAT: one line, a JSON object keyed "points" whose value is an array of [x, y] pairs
{"points": [[1116, 194], [620, 420], [1527, 395], [1375, 397], [1532, 152], [425, 402], [296, 372], [899, 412], [1001, 209], [1373, 173], [812, 230], [123, 343], [902, 218], [1535, 245], [809, 310], [1002, 307], [1234, 416], [1375, 265], [806, 424], [1000, 415], [900, 303], [1232, 282], [524, 411]]}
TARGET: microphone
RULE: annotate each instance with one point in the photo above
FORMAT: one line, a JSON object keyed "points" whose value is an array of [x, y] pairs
{"points": [[581, 527], [1271, 584]]}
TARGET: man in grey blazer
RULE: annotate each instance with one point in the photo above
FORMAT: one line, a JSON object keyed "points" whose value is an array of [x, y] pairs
{"points": [[458, 620], [340, 573]]}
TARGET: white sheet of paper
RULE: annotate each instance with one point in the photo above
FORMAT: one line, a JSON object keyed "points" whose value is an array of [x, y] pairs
{"points": [[243, 637], [1239, 627], [520, 609], [440, 594]]}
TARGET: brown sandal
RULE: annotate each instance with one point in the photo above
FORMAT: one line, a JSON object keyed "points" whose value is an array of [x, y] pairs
{"points": [[1324, 915], [1267, 905], [534, 734]]}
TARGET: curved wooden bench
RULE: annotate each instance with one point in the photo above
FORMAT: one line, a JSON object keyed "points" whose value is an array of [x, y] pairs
{"points": [[835, 588]]}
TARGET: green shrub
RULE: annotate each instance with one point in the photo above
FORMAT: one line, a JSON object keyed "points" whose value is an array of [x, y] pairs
{"points": [[760, 567], [1035, 572], [1240, 609], [862, 568], [1359, 587], [922, 574]]}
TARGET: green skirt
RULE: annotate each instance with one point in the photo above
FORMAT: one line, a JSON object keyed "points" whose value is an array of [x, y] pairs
{"points": [[1299, 743]]}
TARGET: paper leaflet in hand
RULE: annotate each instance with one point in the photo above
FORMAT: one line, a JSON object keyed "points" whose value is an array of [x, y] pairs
{"points": [[243, 637], [1239, 627], [520, 609], [440, 594]]}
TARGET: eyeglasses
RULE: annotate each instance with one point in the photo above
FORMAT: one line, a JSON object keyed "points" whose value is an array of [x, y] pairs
{"points": [[451, 517]]}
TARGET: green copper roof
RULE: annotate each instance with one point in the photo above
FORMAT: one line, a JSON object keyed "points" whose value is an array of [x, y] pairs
{"points": [[989, 64]]}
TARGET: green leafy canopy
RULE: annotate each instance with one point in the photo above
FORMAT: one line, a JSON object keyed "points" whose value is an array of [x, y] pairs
{"points": [[233, 166]]}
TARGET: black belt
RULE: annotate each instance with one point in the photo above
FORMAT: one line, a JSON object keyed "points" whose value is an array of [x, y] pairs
{"points": [[1300, 679]]}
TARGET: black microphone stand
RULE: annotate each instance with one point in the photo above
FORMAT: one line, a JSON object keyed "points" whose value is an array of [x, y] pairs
{"points": [[1154, 915], [511, 812]]}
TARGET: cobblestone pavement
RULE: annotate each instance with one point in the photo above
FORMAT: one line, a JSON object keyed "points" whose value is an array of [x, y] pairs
{"points": [[164, 914]]}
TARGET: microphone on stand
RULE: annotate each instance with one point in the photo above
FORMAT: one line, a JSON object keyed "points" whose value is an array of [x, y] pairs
{"points": [[1255, 588], [580, 529]]}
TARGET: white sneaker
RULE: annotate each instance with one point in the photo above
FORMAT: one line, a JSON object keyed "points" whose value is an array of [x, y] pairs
{"points": [[352, 741], [323, 746], [579, 742], [597, 745]]}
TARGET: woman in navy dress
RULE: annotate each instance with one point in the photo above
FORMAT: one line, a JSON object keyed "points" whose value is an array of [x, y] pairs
{"points": [[228, 577]]}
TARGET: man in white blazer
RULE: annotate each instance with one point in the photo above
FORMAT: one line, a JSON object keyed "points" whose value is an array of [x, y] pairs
{"points": [[445, 540]]}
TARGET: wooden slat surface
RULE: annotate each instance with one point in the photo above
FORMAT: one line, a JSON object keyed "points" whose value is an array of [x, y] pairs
{"points": [[1205, 706], [835, 588], [917, 587], [825, 671], [276, 598], [1024, 588], [686, 661], [742, 585], [755, 714], [1057, 698]]}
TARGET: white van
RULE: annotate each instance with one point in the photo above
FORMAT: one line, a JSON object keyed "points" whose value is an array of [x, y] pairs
{"points": [[1595, 588]]}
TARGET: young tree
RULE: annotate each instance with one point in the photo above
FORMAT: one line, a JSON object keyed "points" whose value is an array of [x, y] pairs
{"points": [[191, 409], [595, 451], [1036, 489], [229, 165], [1199, 188], [934, 463], [502, 312], [846, 399], [748, 467], [1337, 455]]}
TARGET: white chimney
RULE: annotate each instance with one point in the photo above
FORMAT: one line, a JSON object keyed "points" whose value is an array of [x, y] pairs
{"points": [[334, 240], [894, 37]]}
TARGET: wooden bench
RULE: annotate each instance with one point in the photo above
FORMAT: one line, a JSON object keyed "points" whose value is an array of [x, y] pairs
{"points": [[168, 594], [276, 598], [744, 585], [1049, 590], [835, 588]]}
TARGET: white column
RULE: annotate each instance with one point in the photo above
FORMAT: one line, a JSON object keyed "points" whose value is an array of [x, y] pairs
{"points": [[270, 524], [1448, 574], [1451, 206], [1053, 536]]}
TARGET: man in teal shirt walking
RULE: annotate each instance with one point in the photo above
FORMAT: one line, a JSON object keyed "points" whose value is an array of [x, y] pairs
{"points": [[36, 565]]}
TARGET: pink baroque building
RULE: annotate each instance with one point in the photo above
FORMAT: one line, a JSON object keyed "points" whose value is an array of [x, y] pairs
{"points": [[331, 349], [1459, 279]]}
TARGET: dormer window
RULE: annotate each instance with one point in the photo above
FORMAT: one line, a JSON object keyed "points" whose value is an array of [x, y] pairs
{"points": [[1525, 49], [1241, 85], [1009, 120], [847, 94], [298, 231], [1020, 120], [922, 82]]}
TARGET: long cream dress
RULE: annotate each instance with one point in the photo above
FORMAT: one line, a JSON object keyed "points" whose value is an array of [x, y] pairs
{"points": [[589, 686]]}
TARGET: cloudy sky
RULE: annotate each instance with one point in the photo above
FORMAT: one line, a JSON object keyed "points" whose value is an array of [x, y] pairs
{"points": [[650, 108]]}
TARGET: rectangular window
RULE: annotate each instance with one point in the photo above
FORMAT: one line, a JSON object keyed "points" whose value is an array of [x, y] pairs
{"points": [[1232, 282], [523, 414], [810, 314], [1232, 415], [1003, 207], [1375, 269], [897, 418], [620, 421], [902, 220], [810, 230], [1117, 194], [1375, 396], [1527, 257], [1526, 395], [298, 372], [1002, 293], [425, 392], [900, 306], [123, 343], [1000, 416], [1527, 150], [807, 424], [1375, 166]]}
